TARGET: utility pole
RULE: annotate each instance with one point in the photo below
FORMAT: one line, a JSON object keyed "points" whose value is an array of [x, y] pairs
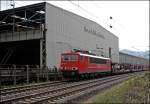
{"points": [[13, 5], [0, 5]]}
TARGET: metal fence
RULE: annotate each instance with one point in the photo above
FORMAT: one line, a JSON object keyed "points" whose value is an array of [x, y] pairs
{"points": [[27, 73]]}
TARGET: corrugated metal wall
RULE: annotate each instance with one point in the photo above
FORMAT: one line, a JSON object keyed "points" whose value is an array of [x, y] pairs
{"points": [[66, 31]]}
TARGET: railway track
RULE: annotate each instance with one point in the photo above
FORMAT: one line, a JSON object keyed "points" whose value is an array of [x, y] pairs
{"points": [[14, 90], [61, 93]]}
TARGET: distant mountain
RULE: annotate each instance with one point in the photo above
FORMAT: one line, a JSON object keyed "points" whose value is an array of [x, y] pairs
{"points": [[144, 54]]}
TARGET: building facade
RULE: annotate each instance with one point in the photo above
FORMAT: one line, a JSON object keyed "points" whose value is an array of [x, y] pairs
{"points": [[66, 31], [39, 33]]}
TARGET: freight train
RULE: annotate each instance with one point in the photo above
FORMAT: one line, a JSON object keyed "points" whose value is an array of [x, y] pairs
{"points": [[76, 64]]}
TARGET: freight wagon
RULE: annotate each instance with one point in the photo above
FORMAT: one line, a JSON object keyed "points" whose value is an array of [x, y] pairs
{"points": [[78, 65]]}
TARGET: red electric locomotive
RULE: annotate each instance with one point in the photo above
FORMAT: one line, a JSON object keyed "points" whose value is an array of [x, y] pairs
{"points": [[75, 64]]}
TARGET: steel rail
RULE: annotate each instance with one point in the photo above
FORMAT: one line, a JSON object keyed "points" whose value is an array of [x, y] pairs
{"points": [[43, 93], [76, 94], [72, 90], [19, 89], [33, 93], [69, 91]]}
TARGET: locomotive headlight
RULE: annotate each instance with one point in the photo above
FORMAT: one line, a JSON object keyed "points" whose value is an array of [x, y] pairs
{"points": [[74, 68]]}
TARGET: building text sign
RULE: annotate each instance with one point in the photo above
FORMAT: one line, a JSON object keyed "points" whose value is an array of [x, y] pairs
{"points": [[91, 31]]}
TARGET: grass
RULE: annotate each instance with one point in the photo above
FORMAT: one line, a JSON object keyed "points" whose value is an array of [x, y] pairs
{"points": [[135, 90]]}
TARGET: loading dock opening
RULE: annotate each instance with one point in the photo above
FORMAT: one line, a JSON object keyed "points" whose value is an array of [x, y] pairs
{"points": [[20, 52]]}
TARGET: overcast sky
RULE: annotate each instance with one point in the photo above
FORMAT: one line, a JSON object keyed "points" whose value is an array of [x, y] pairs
{"points": [[130, 19]]}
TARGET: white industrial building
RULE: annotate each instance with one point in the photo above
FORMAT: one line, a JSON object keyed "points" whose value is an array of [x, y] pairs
{"points": [[39, 33]]}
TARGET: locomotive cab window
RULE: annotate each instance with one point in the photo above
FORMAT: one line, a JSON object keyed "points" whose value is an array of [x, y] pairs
{"points": [[97, 60], [69, 57]]}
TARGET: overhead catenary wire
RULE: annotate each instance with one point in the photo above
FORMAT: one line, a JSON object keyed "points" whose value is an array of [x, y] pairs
{"points": [[95, 4], [110, 17], [91, 14], [113, 23], [119, 24], [84, 11], [108, 25]]}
